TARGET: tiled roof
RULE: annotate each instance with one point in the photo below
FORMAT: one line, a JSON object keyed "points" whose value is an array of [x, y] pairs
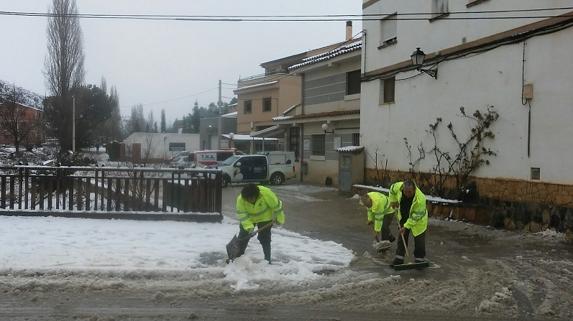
{"points": [[341, 50], [319, 115]]}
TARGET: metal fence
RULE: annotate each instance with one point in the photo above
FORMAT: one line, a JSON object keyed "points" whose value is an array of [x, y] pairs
{"points": [[105, 192]]}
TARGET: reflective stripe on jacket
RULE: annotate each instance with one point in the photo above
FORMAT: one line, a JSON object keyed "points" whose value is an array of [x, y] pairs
{"points": [[380, 207], [418, 217], [266, 208]]}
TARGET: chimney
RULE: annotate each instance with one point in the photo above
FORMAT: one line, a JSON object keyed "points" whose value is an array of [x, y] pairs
{"points": [[348, 30]]}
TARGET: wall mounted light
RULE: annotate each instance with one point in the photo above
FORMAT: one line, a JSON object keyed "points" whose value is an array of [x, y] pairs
{"points": [[418, 58], [326, 127]]}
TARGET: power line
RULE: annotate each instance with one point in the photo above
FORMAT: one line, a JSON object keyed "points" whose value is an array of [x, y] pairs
{"points": [[179, 98], [412, 16]]}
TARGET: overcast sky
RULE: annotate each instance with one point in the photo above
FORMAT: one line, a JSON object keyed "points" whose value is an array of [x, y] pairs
{"points": [[165, 64]]}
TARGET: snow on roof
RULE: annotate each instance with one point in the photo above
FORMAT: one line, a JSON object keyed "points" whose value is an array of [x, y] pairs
{"points": [[429, 198], [25, 97], [258, 85], [344, 49], [350, 149], [288, 110], [240, 137], [230, 115], [282, 117], [266, 130]]}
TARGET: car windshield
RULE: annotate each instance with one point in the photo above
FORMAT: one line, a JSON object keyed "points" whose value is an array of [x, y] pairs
{"points": [[229, 161]]}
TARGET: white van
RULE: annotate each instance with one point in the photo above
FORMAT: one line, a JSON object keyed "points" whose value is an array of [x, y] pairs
{"points": [[273, 167]]}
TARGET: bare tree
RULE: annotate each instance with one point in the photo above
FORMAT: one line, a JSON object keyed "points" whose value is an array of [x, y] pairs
{"points": [[16, 120], [64, 67]]}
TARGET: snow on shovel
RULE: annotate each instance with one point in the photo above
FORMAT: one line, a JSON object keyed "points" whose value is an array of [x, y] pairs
{"points": [[234, 246]]}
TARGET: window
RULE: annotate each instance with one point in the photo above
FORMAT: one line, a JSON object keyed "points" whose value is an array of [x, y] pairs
{"points": [[176, 147], [535, 173], [387, 90], [388, 35], [353, 82], [267, 104], [439, 8], [318, 145], [294, 141], [247, 107], [356, 139]]}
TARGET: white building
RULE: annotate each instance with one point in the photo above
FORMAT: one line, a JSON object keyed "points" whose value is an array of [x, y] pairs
{"points": [[510, 64], [158, 146]]}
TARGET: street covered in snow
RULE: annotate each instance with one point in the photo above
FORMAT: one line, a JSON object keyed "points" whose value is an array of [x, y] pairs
{"points": [[323, 269]]}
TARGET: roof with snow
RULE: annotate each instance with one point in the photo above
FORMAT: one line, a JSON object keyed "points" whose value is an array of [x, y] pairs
{"points": [[346, 48], [24, 97], [337, 113], [257, 85], [350, 149], [240, 137], [230, 115]]}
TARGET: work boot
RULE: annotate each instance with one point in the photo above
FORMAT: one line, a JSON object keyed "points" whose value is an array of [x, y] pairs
{"points": [[398, 261]]}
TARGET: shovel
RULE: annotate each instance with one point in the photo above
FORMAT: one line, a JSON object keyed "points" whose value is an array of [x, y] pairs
{"points": [[408, 266], [234, 246]]}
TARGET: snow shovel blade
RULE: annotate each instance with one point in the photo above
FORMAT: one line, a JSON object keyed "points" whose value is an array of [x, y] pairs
{"points": [[233, 248], [410, 266]]}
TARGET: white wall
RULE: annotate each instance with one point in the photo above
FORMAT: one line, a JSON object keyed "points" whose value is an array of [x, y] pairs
{"points": [[159, 143], [475, 82], [440, 34]]}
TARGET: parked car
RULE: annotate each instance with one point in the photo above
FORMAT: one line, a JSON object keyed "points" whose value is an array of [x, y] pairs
{"points": [[273, 167], [183, 159], [214, 158]]}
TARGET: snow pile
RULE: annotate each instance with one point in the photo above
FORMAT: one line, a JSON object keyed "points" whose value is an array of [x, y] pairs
{"points": [[498, 302], [429, 198], [121, 246], [550, 234]]}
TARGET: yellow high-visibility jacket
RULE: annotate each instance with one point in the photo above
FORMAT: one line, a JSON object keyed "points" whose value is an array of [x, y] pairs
{"points": [[267, 208], [418, 217], [380, 208]]}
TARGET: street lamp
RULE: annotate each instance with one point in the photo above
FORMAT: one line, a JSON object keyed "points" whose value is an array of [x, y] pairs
{"points": [[418, 58], [231, 145], [325, 127]]}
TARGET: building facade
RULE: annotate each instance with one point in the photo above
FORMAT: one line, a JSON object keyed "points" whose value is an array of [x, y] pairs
{"points": [[329, 116], [512, 66]]}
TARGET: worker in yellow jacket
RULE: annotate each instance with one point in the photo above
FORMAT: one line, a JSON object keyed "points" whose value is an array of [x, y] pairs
{"points": [[413, 215], [258, 205], [379, 214]]}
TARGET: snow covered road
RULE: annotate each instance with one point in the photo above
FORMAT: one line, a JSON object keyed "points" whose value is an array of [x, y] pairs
{"points": [[36, 243]]}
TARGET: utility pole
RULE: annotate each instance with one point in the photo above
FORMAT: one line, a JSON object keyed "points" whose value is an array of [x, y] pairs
{"points": [[220, 102], [74, 124]]}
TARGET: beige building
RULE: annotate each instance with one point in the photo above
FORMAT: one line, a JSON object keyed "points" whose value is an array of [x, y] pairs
{"points": [[329, 116], [260, 98]]}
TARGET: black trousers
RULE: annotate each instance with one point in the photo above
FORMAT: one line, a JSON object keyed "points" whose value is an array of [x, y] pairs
{"points": [[264, 237], [419, 249], [386, 223]]}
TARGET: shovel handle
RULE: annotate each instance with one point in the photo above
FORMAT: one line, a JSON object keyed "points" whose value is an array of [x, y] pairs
{"points": [[403, 239]]}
